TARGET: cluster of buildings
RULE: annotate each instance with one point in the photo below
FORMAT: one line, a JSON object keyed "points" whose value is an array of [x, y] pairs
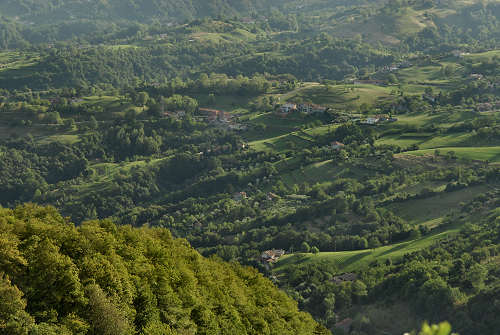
{"points": [[346, 277], [303, 108], [488, 106], [221, 118], [271, 256], [378, 119], [213, 115], [476, 76], [459, 53], [180, 114], [396, 67], [335, 145]]}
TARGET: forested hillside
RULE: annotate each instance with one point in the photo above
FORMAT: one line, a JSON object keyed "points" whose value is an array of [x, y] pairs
{"points": [[156, 9], [102, 279], [128, 9]]}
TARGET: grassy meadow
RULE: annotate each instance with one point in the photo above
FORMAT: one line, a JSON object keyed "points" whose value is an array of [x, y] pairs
{"points": [[355, 260]]}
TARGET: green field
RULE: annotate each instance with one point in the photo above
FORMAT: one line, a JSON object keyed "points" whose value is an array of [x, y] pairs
{"points": [[12, 60], [282, 142], [323, 172], [491, 154], [422, 211], [103, 175], [484, 55], [64, 139], [338, 96], [426, 140], [355, 260]]}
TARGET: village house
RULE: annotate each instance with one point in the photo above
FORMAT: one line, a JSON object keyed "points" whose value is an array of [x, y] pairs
{"points": [[237, 127], [248, 20], [210, 114], [215, 115], [458, 53], [271, 256], [311, 108], [390, 68], [176, 115], [371, 120], [382, 117], [224, 117], [346, 277], [288, 108], [476, 76], [487, 107], [335, 145]]}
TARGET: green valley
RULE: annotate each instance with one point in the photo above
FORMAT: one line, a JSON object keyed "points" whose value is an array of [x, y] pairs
{"points": [[178, 163]]}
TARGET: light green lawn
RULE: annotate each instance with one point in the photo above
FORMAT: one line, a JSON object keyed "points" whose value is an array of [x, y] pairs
{"points": [[64, 139], [282, 142]]}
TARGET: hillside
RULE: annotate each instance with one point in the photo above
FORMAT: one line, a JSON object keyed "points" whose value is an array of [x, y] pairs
{"points": [[348, 150], [455, 277], [98, 278], [147, 10], [128, 10]]}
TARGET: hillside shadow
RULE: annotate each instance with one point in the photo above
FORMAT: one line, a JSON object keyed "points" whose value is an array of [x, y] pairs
{"points": [[394, 249], [355, 258]]}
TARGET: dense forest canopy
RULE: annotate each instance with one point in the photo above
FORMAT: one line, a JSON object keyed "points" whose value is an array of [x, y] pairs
{"points": [[103, 279]]}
